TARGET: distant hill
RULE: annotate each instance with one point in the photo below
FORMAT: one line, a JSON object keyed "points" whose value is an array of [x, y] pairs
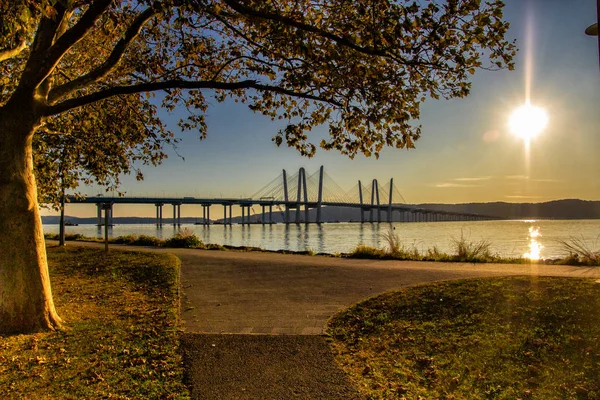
{"points": [[557, 209]]}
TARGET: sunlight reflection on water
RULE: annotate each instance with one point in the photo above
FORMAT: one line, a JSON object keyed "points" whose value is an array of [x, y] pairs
{"points": [[535, 247], [507, 238]]}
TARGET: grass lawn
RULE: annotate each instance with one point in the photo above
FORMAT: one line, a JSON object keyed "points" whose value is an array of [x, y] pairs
{"points": [[498, 338], [121, 336]]}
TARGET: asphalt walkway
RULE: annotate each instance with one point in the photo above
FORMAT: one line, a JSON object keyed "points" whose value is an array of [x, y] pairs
{"points": [[254, 321]]}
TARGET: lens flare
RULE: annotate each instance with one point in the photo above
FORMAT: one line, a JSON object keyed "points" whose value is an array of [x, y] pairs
{"points": [[528, 121]]}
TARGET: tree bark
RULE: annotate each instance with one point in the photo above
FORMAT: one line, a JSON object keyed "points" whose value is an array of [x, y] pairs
{"points": [[26, 303]]}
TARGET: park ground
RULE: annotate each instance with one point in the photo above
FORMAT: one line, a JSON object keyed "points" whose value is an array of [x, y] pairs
{"points": [[249, 314]]}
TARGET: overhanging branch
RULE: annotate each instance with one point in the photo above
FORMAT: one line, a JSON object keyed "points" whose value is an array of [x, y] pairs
{"points": [[113, 59], [70, 38], [177, 84], [7, 53]]}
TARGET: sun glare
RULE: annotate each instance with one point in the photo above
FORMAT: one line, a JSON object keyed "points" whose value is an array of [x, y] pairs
{"points": [[528, 121]]}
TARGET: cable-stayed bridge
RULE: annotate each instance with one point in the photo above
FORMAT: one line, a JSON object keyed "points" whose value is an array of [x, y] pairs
{"points": [[294, 197]]}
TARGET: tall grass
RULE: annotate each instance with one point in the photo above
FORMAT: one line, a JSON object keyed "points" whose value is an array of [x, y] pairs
{"points": [[393, 242], [580, 252], [468, 251]]}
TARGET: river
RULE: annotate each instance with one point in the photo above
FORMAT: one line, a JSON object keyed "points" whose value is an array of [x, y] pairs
{"points": [[533, 238]]}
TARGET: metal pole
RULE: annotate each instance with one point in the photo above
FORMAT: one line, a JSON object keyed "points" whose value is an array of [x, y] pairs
{"points": [[61, 238], [106, 211]]}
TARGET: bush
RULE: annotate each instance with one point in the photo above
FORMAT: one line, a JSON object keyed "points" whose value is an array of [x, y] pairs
{"points": [[184, 239], [362, 251], [129, 239], [144, 240]]}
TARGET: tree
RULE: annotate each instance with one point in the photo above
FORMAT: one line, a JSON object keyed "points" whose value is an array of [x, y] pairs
{"points": [[361, 67]]}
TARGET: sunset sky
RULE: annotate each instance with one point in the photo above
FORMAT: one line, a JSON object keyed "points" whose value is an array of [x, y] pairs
{"points": [[466, 152]]}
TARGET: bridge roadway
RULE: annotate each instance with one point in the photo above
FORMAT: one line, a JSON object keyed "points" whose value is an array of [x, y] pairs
{"points": [[412, 214]]}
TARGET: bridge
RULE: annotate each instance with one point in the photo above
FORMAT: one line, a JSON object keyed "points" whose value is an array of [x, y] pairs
{"points": [[294, 197]]}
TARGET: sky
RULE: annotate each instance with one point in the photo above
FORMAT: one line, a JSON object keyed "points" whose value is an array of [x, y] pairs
{"points": [[466, 152]]}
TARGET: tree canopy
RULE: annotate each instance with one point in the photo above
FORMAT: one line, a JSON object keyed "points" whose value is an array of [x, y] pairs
{"points": [[363, 68], [78, 80]]}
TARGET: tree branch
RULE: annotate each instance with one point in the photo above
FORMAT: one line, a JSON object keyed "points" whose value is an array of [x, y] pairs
{"points": [[113, 59], [7, 53], [176, 84], [70, 38], [248, 11]]}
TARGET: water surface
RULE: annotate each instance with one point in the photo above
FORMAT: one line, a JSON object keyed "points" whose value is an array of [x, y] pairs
{"points": [[508, 238]]}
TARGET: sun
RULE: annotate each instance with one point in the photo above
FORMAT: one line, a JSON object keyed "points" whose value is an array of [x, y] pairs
{"points": [[528, 121]]}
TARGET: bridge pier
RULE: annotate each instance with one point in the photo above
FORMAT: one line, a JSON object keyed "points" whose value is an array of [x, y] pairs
{"points": [[176, 214], [270, 213], [159, 214], [108, 213], [320, 195]]}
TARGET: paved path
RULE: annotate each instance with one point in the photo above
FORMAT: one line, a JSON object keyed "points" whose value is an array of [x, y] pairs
{"points": [[270, 293], [290, 298]]}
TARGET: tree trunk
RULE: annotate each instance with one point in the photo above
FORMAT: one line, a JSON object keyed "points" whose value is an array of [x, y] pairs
{"points": [[25, 296]]}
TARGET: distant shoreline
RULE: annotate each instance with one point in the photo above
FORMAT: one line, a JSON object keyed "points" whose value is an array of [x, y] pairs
{"points": [[570, 209]]}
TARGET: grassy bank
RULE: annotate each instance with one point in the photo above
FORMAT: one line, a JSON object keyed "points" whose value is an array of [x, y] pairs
{"points": [[121, 336], [502, 338], [577, 251]]}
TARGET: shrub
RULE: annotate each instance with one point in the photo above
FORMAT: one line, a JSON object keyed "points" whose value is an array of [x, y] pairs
{"points": [[362, 251], [129, 239], [184, 238], [145, 240]]}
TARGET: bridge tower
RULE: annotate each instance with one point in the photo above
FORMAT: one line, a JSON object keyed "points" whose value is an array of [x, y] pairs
{"points": [[360, 197], [286, 198], [320, 196], [375, 198], [302, 190], [389, 210]]}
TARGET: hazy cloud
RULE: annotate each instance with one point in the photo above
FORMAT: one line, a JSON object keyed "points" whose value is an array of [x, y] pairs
{"points": [[516, 196], [478, 178], [455, 185], [516, 177], [547, 180]]}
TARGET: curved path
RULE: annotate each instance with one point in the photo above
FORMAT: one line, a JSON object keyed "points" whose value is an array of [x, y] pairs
{"points": [[254, 320], [270, 293]]}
